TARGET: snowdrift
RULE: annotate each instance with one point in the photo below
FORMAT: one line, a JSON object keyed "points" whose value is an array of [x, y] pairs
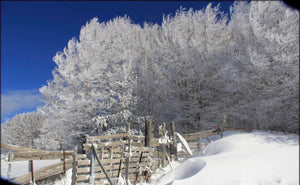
{"points": [[241, 158]]}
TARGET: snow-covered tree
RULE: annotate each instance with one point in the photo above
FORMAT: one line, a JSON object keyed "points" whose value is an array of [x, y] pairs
{"points": [[22, 129], [198, 63], [269, 33], [95, 76]]}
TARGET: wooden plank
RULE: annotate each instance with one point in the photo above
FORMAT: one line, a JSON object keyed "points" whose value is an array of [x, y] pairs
{"points": [[113, 156], [135, 144], [112, 168], [88, 169], [116, 146], [100, 179], [109, 161], [198, 135], [81, 156], [106, 137], [151, 154], [39, 155], [117, 152], [138, 138], [87, 146], [19, 148], [85, 162], [42, 173], [142, 149], [83, 177], [113, 174]]}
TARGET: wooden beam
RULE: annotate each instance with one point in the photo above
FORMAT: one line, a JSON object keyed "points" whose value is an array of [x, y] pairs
{"points": [[39, 155], [19, 148], [106, 137], [198, 135], [105, 144]]}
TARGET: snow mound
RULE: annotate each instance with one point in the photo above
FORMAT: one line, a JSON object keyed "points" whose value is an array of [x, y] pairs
{"points": [[186, 170], [241, 159]]}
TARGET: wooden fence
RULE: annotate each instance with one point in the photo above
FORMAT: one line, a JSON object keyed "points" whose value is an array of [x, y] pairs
{"points": [[107, 157], [17, 153], [133, 157]]}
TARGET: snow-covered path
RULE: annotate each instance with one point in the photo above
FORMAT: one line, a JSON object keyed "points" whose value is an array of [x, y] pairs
{"points": [[241, 159]]}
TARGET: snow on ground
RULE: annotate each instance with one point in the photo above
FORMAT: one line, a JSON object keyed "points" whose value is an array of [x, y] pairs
{"points": [[66, 180], [20, 168], [256, 158]]}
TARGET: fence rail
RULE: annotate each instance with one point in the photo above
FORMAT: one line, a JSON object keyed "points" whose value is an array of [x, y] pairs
{"points": [[41, 155], [43, 173], [18, 153]]}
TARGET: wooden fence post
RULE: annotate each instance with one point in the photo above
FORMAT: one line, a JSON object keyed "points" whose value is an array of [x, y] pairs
{"points": [[200, 144], [30, 164], [199, 124], [163, 159], [128, 128], [174, 144], [111, 153], [92, 168], [128, 156], [32, 171], [223, 125], [74, 168], [138, 167], [9, 165], [64, 164], [148, 133]]}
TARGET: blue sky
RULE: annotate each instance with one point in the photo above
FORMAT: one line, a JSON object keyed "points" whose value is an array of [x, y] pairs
{"points": [[32, 32]]}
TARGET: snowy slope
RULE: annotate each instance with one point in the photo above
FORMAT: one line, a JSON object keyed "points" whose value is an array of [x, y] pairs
{"points": [[241, 159]]}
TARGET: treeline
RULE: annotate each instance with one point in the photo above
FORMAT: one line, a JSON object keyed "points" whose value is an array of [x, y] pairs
{"points": [[196, 66]]}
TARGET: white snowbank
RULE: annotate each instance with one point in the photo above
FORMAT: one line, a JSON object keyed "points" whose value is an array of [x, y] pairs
{"points": [[241, 158]]}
